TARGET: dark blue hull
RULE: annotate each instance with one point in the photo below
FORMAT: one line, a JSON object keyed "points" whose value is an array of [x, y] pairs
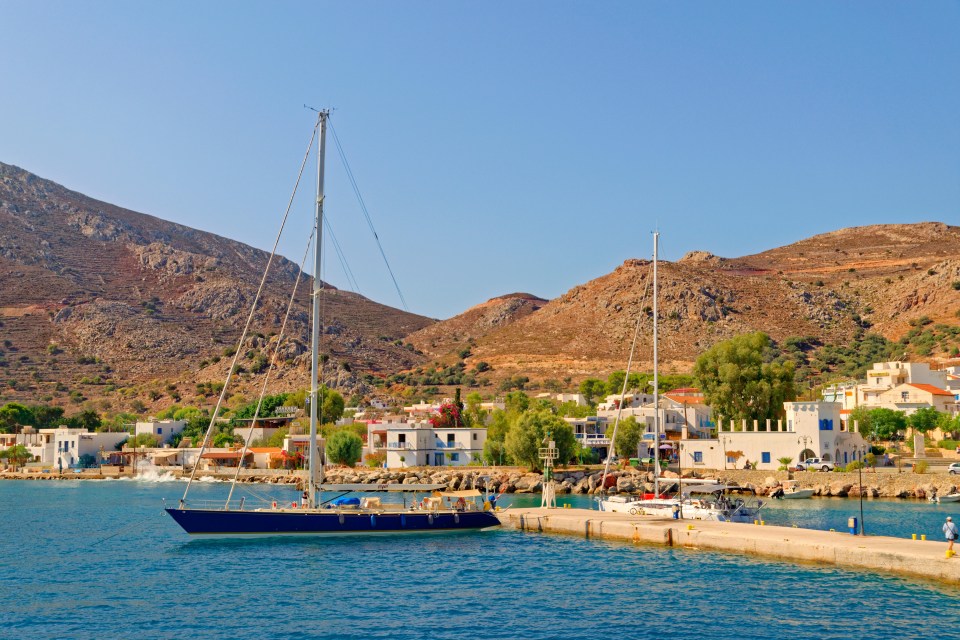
{"points": [[217, 522]]}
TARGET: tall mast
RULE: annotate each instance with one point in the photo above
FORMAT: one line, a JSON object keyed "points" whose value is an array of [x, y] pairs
{"points": [[315, 328], [656, 379]]}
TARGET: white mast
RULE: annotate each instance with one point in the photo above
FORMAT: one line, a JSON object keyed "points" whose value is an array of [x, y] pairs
{"points": [[656, 379], [315, 329]]}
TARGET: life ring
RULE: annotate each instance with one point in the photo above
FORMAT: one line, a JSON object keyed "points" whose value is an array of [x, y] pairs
{"points": [[633, 511]]}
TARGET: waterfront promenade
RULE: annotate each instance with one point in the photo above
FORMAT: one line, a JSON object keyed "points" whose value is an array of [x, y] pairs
{"points": [[918, 558]]}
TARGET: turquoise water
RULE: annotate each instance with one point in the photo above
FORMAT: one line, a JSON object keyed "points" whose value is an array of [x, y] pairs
{"points": [[101, 560]]}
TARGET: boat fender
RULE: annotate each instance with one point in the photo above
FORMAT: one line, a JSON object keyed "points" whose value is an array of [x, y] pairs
{"points": [[373, 522], [341, 518], [293, 505], [456, 518], [430, 518], [274, 504], [403, 520]]}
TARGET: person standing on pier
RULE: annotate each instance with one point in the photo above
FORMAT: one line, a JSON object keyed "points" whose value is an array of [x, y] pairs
{"points": [[950, 531]]}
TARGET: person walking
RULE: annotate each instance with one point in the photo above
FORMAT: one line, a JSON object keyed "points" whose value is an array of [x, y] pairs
{"points": [[950, 531]]}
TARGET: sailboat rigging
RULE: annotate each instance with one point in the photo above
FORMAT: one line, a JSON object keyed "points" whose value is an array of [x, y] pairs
{"points": [[712, 503], [339, 515]]}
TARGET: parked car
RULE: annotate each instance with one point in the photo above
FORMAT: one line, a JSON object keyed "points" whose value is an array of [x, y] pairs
{"points": [[815, 463], [954, 468]]}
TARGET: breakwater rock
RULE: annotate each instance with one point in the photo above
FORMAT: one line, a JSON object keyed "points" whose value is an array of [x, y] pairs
{"points": [[879, 484]]}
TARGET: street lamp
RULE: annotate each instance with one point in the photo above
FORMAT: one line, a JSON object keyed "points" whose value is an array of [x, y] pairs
{"points": [[862, 450], [802, 440], [723, 452]]}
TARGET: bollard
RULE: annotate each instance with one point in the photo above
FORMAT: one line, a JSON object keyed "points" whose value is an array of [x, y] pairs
{"points": [[756, 522], [689, 527], [914, 536], [852, 525], [951, 553], [923, 536], [763, 523]]}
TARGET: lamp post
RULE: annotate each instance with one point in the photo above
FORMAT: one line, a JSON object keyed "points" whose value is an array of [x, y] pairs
{"points": [[862, 450], [723, 452], [802, 440]]}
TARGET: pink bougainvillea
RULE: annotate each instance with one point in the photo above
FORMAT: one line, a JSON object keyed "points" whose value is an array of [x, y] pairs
{"points": [[447, 416]]}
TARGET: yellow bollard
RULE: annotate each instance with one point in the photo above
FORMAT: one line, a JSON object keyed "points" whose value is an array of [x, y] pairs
{"points": [[763, 523], [950, 553], [689, 527], [914, 536], [756, 522], [923, 536]]}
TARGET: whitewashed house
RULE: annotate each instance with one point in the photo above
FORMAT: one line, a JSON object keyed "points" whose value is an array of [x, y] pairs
{"points": [[69, 445], [419, 444], [162, 429], [810, 430]]}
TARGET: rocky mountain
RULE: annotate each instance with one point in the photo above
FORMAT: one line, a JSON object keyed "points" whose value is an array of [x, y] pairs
{"points": [[105, 305], [98, 301], [831, 287]]}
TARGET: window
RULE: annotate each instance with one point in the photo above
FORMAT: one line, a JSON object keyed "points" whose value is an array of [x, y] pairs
{"points": [[474, 436], [698, 456], [454, 457], [159, 431], [904, 396], [765, 457], [826, 425]]}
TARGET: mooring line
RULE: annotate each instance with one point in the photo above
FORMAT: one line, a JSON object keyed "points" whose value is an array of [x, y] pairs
{"points": [[114, 535]]}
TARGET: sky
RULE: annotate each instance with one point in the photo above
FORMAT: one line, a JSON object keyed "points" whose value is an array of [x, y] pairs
{"points": [[499, 146]]}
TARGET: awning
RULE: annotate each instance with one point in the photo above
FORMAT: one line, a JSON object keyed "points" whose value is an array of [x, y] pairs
{"points": [[163, 455], [224, 455], [465, 493]]}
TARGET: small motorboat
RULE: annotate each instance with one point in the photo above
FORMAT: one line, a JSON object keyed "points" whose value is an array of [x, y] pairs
{"points": [[950, 497], [790, 491]]}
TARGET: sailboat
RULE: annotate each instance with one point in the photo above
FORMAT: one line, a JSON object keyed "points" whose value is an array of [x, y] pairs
{"points": [[698, 500], [438, 511]]}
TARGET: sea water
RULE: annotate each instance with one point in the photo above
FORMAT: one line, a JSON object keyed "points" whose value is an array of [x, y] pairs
{"points": [[100, 559]]}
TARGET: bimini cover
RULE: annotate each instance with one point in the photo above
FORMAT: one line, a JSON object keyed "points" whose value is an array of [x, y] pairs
{"points": [[346, 502]]}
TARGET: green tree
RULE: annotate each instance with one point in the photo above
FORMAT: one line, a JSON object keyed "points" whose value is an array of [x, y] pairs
{"points": [[593, 389], [887, 422], [516, 401], [331, 405], [17, 454], [861, 416], [473, 412], [13, 416], [526, 437], [344, 447], [738, 384], [615, 382], [924, 420], [495, 453], [88, 419], [628, 437], [46, 417]]}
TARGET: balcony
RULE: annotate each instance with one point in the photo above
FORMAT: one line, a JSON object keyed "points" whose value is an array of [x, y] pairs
{"points": [[592, 439], [400, 446]]}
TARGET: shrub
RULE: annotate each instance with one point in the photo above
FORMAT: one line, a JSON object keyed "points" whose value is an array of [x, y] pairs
{"points": [[344, 447], [374, 460], [947, 444], [853, 466], [921, 466]]}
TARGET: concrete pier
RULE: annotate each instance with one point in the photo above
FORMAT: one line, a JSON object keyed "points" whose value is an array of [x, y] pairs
{"points": [[922, 559]]}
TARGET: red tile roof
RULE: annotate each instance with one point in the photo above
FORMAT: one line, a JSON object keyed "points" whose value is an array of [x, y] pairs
{"points": [[929, 388]]}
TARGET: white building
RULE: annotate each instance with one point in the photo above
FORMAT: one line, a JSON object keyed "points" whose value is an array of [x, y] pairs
{"points": [[811, 430], [69, 445], [901, 386], [420, 444], [162, 429]]}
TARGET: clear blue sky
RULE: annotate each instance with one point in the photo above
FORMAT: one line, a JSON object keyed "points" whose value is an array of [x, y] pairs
{"points": [[500, 146]]}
